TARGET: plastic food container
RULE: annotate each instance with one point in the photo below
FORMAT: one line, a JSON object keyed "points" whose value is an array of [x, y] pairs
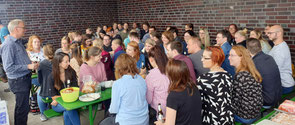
{"points": [[70, 96]]}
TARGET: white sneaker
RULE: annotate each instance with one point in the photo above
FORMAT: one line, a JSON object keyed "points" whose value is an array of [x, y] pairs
{"points": [[43, 118]]}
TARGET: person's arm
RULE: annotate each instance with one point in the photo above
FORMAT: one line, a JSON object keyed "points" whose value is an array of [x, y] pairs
{"points": [[54, 102], [170, 117], [116, 98], [280, 57]]}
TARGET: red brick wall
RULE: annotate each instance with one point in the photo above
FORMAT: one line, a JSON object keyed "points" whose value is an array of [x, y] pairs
{"points": [[52, 19], [213, 14]]}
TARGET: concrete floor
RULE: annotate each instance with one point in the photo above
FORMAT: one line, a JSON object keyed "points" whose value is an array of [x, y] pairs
{"points": [[35, 119]]}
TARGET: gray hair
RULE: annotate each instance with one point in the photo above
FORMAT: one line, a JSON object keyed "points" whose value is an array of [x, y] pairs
{"points": [[13, 24]]}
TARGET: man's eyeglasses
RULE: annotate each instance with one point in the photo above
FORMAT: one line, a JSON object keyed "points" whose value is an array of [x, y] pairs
{"points": [[21, 27], [269, 33]]}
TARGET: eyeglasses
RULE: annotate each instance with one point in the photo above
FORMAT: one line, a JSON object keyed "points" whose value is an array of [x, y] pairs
{"points": [[21, 27], [205, 58], [269, 33]]}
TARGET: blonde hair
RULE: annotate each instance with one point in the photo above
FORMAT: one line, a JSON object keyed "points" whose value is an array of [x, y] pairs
{"points": [[125, 64], [151, 42], [48, 51], [30, 43], [76, 53], [258, 34], [71, 35], [246, 63], [97, 43], [92, 51], [243, 33], [207, 37], [66, 38], [119, 42]]}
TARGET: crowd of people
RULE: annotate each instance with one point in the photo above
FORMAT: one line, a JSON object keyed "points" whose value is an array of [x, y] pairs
{"points": [[192, 80]]}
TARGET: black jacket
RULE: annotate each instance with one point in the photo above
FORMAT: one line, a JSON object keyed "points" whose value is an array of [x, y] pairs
{"points": [[271, 80], [44, 71]]}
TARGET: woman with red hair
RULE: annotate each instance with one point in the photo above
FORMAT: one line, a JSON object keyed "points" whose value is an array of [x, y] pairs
{"points": [[133, 51], [215, 88]]}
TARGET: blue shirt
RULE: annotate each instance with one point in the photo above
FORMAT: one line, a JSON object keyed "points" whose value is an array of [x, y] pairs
{"points": [[140, 61], [4, 32], [226, 47], [117, 54], [15, 58], [129, 101], [145, 37]]}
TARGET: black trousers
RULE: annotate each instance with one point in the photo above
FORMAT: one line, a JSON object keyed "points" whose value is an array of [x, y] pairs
{"points": [[21, 89]]}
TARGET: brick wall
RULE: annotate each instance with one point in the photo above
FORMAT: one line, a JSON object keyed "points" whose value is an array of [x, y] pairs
{"points": [[213, 14], [52, 19]]}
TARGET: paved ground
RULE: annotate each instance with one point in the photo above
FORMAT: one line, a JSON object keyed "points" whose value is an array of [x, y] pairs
{"points": [[35, 119]]}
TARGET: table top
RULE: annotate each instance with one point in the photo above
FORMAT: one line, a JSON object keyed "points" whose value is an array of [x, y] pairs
{"points": [[270, 114], [105, 95]]}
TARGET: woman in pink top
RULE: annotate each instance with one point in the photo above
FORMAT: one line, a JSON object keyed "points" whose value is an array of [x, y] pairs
{"points": [[93, 66], [157, 82]]}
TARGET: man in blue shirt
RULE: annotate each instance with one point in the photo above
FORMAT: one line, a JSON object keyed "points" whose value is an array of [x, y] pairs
{"points": [[18, 66], [222, 41]]}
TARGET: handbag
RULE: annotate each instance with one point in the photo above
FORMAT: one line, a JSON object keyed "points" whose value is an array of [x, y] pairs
{"points": [[110, 120]]}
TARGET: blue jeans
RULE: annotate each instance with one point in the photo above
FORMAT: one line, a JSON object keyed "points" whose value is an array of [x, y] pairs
{"points": [[42, 106], [287, 90], [71, 117], [244, 121], [35, 82]]}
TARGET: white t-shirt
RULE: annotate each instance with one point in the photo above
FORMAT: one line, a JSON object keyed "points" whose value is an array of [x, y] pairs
{"points": [[38, 57]]}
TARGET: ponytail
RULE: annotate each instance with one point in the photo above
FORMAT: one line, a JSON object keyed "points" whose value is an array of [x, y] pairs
{"points": [[48, 51], [86, 55], [243, 33], [93, 51]]}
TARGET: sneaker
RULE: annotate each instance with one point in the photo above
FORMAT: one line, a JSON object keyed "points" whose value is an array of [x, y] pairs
{"points": [[43, 118]]}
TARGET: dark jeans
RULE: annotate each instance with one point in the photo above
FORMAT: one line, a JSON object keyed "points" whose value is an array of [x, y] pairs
{"points": [[287, 90], [21, 89]]}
